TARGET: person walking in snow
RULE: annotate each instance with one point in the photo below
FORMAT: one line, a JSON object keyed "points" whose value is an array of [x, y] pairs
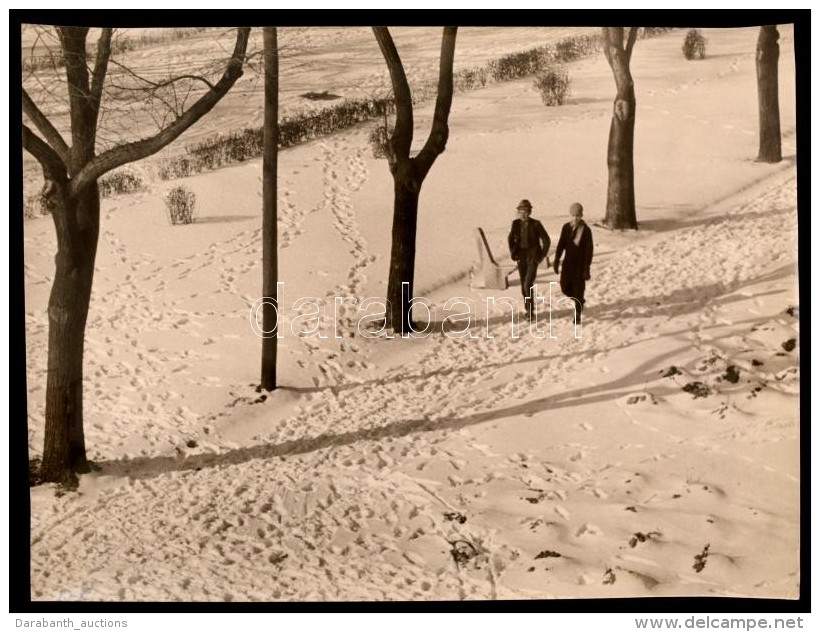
{"points": [[576, 244], [529, 245]]}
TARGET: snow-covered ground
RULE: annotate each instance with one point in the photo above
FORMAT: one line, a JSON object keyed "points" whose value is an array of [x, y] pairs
{"points": [[657, 454]]}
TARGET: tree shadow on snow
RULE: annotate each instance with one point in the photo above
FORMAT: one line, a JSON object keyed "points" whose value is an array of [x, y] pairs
{"points": [[684, 300], [675, 223], [150, 467]]}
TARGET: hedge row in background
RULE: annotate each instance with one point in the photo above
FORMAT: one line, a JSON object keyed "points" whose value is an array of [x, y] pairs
{"points": [[220, 150], [224, 149]]}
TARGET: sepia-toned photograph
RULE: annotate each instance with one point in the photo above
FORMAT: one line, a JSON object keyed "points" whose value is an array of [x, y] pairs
{"points": [[410, 313]]}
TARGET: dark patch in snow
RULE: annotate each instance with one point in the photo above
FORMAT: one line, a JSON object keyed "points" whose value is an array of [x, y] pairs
{"points": [[700, 559], [697, 389]]}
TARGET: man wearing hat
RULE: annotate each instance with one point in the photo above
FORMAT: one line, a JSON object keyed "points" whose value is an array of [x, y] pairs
{"points": [[529, 244], [576, 242]]}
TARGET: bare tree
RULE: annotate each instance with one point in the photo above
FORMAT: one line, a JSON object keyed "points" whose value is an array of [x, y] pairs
{"points": [[409, 173], [270, 262], [71, 173], [620, 195], [768, 54]]}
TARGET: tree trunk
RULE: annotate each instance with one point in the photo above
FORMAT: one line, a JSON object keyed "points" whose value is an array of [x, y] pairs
{"points": [[270, 263], [403, 249], [620, 194], [71, 175], [768, 53], [409, 173], [77, 223]]}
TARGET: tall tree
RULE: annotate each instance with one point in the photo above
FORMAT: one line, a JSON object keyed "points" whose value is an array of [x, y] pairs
{"points": [[620, 195], [71, 173], [409, 173], [768, 54], [270, 262]]}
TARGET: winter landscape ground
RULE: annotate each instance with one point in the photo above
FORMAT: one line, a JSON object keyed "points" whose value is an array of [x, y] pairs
{"points": [[656, 454]]}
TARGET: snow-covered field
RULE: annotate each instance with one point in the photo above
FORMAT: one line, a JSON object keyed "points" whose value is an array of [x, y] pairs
{"points": [[656, 455]]}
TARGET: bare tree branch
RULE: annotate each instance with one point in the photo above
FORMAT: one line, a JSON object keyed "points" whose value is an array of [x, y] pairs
{"points": [[42, 151], [152, 85], [617, 57], [440, 131], [152, 93], [167, 82], [606, 33], [630, 42], [137, 150], [72, 40], [100, 68], [52, 136], [402, 136]]}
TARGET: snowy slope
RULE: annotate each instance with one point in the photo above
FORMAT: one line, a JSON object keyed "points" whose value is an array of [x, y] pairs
{"points": [[657, 454]]}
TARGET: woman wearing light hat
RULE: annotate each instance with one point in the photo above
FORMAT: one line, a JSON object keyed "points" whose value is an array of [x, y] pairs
{"points": [[576, 242], [529, 244]]}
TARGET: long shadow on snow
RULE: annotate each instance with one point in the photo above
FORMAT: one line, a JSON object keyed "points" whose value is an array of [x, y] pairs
{"points": [[669, 224], [644, 374], [150, 467]]}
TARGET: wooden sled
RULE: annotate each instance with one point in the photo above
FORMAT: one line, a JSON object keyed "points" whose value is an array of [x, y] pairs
{"points": [[487, 273]]}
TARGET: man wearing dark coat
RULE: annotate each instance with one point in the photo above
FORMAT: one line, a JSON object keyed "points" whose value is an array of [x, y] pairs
{"points": [[576, 243], [529, 244]]}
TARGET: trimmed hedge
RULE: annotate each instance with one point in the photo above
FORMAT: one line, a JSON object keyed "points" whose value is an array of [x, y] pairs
{"points": [[125, 180], [221, 150]]}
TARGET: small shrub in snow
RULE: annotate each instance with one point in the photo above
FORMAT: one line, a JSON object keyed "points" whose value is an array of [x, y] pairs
{"points": [[694, 45], [553, 85], [180, 202]]}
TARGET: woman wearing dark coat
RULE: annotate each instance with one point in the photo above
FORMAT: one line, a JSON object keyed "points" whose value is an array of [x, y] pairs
{"points": [[576, 244]]}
